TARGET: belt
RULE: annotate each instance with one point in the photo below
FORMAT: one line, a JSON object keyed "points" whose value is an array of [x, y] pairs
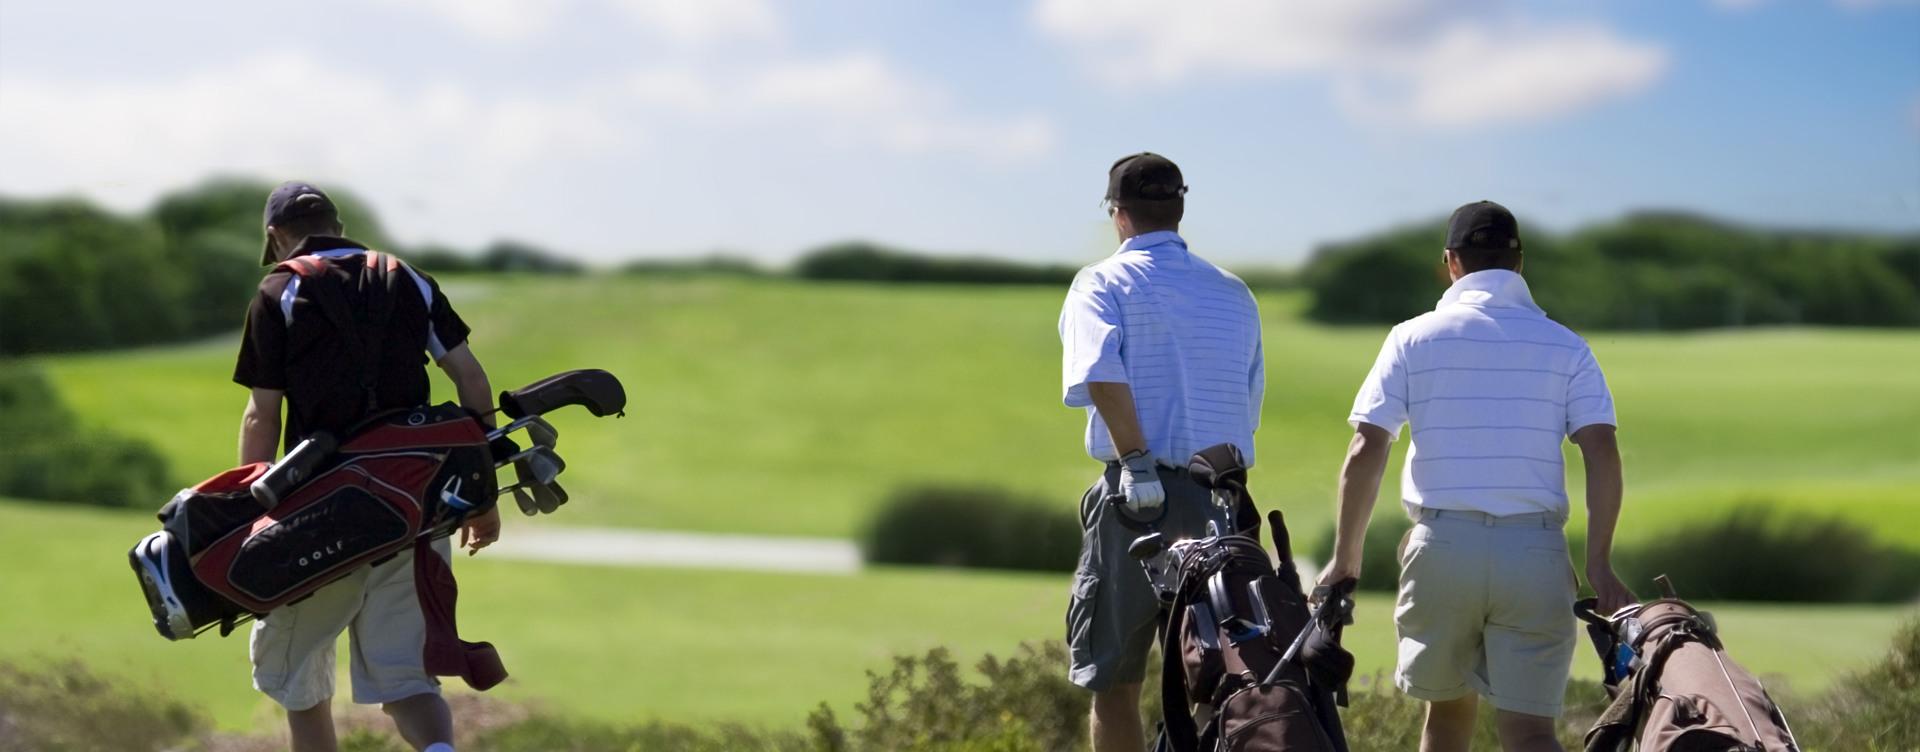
{"points": [[1530, 519]]}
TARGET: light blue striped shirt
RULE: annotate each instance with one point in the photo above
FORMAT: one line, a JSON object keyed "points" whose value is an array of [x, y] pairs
{"points": [[1183, 334], [1492, 387]]}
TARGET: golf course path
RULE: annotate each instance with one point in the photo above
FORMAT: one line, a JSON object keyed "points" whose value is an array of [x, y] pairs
{"points": [[656, 548], [659, 548]]}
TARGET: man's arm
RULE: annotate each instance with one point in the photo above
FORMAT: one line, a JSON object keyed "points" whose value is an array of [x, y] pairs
{"points": [[260, 426], [1360, 476], [1600, 450], [475, 393], [1140, 480]]}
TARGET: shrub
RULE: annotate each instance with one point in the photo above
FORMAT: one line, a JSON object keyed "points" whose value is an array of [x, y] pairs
{"points": [[973, 527], [872, 263], [715, 265], [549, 733], [922, 704], [1379, 554], [1757, 554], [66, 708], [515, 256], [52, 460], [1876, 710]]}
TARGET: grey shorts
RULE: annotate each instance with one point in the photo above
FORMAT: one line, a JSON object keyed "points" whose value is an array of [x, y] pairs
{"points": [[1113, 614], [1486, 606]]}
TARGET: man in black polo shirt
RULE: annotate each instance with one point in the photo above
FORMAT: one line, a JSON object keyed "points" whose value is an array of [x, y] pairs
{"points": [[331, 374]]}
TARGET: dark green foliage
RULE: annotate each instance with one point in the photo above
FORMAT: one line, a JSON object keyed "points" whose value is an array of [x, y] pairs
{"points": [[1381, 718], [1026, 704], [973, 527], [1757, 554], [715, 265], [872, 263], [549, 733], [515, 256], [51, 459], [1877, 710], [1379, 554], [1648, 271], [66, 708]]}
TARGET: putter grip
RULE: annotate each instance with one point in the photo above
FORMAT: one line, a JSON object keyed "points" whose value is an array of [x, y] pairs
{"points": [[592, 388], [294, 469]]}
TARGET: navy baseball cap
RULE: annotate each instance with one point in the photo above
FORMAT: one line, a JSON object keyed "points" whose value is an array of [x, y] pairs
{"points": [[1483, 226], [1144, 177], [292, 200]]}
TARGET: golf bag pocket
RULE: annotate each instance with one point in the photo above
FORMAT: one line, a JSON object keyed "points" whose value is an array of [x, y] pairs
{"points": [[181, 605], [344, 519], [1273, 717]]}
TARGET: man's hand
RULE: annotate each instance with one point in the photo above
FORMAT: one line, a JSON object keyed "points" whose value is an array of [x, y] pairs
{"points": [[1337, 570], [1613, 593], [1140, 482], [480, 531]]}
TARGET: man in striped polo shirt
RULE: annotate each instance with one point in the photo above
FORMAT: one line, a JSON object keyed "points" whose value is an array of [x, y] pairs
{"points": [[1490, 386], [1163, 351]]}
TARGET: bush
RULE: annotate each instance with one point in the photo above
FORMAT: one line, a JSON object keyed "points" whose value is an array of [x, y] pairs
{"points": [[872, 263], [52, 460], [716, 265], [922, 704], [1381, 718], [1756, 554], [1379, 554], [515, 256], [66, 708], [1877, 710], [973, 527], [548, 733]]}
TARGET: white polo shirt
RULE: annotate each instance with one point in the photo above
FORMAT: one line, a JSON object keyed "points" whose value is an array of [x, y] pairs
{"points": [[1492, 387], [1183, 334]]}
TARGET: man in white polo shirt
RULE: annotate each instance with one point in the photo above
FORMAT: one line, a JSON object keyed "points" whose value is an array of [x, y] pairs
{"points": [[1163, 350], [1490, 386]]}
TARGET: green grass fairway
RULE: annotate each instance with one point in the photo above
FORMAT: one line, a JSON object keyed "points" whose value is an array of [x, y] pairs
{"points": [[784, 407], [634, 644]]}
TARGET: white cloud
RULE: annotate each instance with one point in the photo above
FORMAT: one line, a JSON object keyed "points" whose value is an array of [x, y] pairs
{"points": [[242, 119], [680, 21], [1438, 63]]}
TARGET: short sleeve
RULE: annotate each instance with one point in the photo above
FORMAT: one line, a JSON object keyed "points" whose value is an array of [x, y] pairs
{"points": [[445, 329], [1588, 400], [1090, 338], [1382, 400], [263, 346]]}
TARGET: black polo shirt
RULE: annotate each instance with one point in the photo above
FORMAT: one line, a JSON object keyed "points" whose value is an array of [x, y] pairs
{"points": [[292, 344]]}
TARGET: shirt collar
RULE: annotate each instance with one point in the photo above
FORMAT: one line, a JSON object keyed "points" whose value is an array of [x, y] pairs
{"points": [[1490, 288], [1153, 239], [320, 244]]}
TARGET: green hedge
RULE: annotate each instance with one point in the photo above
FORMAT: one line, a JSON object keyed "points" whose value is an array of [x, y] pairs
{"points": [[871, 263], [973, 527], [51, 459], [1755, 553], [1647, 271]]}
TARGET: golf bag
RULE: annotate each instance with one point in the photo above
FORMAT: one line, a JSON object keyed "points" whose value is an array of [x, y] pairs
{"points": [[258, 537], [1239, 641], [1674, 688]]}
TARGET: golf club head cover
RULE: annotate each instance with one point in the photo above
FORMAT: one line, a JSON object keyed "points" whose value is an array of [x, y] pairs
{"points": [[1217, 466], [592, 388]]}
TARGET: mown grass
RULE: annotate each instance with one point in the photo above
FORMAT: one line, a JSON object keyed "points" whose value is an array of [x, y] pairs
{"points": [[632, 644], [776, 406]]}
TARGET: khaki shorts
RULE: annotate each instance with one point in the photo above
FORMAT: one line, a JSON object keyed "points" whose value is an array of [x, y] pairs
{"points": [[1486, 606], [293, 647]]}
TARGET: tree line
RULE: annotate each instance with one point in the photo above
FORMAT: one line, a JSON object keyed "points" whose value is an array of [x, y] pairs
{"points": [[1645, 271]]}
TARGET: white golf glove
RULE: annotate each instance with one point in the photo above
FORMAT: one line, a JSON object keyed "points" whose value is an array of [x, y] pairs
{"points": [[1140, 482]]}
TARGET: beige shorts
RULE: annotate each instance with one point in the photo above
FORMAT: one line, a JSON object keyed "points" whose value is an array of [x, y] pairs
{"points": [[1486, 606], [293, 647]]}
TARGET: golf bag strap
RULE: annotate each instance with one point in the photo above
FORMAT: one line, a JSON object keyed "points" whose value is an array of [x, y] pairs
{"points": [[376, 275], [1177, 726], [445, 654]]}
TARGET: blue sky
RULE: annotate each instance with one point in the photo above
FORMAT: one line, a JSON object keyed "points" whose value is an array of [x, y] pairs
{"points": [[614, 129]]}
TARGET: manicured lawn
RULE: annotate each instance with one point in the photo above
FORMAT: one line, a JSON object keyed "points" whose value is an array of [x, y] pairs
{"points": [[632, 644], [783, 407]]}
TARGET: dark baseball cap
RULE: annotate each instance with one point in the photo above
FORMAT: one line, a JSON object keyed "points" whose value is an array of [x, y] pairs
{"points": [[290, 202], [1483, 226], [1144, 177]]}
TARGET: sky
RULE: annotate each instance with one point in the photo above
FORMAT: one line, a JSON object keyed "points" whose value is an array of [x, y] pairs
{"points": [[619, 129]]}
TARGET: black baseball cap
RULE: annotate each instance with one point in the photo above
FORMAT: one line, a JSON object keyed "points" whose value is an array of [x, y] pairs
{"points": [[1483, 226], [289, 202], [1144, 177]]}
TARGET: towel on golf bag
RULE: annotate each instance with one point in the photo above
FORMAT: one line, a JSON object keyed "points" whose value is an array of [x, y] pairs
{"points": [[1232, 619], [1685, 695], [403, 476]]}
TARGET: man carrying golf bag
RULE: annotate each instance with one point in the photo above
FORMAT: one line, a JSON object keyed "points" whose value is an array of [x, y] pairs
{"points": [[1163, 351], [338, 332]]}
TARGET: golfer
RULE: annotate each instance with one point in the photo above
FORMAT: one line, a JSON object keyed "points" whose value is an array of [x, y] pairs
{"points": [[1163, 350], [1490, 386], [293, 351]]}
